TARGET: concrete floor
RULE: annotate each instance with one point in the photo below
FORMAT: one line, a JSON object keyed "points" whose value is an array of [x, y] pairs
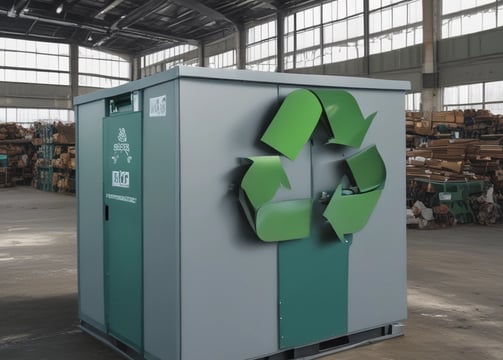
{"points": [[455, 289]]}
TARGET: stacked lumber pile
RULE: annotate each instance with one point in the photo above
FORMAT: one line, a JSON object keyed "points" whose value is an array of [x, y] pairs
{"points": [[481, 122], [443, 124], [416, 126], [12, 131], [446, 121], [442, 160], [64, 133], [458, 159], [17, 155], [486, 158]]}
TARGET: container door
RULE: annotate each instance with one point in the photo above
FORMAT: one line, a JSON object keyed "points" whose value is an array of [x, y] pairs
{"points": [[123, 227]]}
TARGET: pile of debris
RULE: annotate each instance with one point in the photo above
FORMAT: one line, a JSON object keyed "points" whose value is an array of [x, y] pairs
{"points": [[430, 218], [485, 208]]}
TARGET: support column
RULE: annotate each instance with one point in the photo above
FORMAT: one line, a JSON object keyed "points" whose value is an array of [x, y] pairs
{"points": [[135, 67], [74, 71], [280, 41], [366, 38], [241, 47], [200, 54], [431, 94]]}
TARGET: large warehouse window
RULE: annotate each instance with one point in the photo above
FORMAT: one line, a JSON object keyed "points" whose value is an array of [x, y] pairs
{"points": [[464, 97], [413, 101], [34, 62], [166, 55], [487, 95], [28, 116], [100, 69], [467, 17], [261, 47], [226, 60], [342, 30], [173, 63], [493, 96], [168, 58], [303, 38], [394, 24], [334, 31]]}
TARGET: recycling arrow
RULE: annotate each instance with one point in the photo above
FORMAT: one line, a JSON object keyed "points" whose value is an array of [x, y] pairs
{"points": [[346, 120], [263, 179], [274, 221], [288, 132], [350, 213], [293, 124]]}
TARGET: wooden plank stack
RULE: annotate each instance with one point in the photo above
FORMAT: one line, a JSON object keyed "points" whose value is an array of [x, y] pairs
{"points": [[443, 124], [12, 131], [461, 158], [441, 158], [447, 120]]}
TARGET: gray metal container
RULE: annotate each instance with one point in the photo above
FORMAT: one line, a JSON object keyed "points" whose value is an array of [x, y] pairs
{"points": [[188, 278]]}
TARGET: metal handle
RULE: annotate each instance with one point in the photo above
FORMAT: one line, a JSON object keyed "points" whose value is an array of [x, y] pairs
{"points": [[106, 212]]}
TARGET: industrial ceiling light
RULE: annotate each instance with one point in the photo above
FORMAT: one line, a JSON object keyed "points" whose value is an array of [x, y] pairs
{"points": [[59, 9], [90, 37], [12, 12]]}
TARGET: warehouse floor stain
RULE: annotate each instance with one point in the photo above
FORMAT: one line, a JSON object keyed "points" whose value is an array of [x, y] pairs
{"points": [[454, 280]]}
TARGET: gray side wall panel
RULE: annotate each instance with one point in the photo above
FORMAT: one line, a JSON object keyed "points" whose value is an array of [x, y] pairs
{"points": [[161, 238], [90, 212], [377, 256], [229, 278]]}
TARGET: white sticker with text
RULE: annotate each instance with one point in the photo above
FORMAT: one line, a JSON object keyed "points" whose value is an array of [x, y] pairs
{"points": [[128, 199], [158, 106], [120, 179]]}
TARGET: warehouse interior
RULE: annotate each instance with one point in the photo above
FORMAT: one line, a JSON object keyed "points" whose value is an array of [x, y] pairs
{"points": [[52, 51]]}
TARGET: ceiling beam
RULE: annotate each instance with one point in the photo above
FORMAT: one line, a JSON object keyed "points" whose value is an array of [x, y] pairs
{"points": [[123, 25], [270, 4], [159, 36], [23, 36], [31, 27], [101, 29], [111, 4], [204, 10], [136, 15], [19, 5]]}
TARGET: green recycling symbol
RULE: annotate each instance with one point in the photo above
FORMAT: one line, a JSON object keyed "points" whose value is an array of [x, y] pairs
{"points": [[290, 129]]}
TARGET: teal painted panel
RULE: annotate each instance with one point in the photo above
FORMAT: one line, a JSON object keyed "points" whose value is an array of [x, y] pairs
{"points": [[313, 290], [123, 230]]}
